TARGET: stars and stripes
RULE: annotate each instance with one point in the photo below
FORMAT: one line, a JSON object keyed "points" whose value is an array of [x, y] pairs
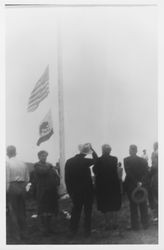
{"points": [[40, 91]]}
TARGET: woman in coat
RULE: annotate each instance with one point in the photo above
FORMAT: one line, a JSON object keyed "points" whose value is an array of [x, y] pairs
{"points": [[108, 190], [45, 181]]}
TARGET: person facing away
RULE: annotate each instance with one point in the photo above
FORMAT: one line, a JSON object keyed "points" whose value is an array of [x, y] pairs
{"points": [[17, 177], [153, 190], [136, 169], [154, 157], [45, 181], [108, 189], [80, 188]]}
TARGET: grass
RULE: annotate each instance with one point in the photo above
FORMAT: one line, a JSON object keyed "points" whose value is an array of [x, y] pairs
{"points": [[99, 235]]}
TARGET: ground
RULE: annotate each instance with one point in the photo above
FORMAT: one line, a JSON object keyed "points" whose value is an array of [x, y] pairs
{"points": [[99, 235]]}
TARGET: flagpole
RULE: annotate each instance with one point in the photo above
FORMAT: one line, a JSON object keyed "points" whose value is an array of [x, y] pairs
{"points": [[62, 188]]}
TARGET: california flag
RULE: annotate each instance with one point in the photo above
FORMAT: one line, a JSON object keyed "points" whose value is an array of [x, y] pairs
{"points": [[45, 129]]}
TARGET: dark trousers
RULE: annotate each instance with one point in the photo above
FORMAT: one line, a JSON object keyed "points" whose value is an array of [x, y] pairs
{"points": [[80, 201], [153, 193], [16, 207], [137, 212]]}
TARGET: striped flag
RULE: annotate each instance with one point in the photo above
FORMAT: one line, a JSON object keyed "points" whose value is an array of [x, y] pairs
{"points": [[45, 128], [40, 92]]}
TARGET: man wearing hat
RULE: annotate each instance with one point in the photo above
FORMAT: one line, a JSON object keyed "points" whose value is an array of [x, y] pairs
{"points": [[79, 186], [136, 170]]}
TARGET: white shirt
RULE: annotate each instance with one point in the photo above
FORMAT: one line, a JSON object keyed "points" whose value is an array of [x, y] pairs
{"points": [[16, 170]]}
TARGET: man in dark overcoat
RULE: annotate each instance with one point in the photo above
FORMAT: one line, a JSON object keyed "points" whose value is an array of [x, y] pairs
{"points": [[80, 188], [136, 169]]}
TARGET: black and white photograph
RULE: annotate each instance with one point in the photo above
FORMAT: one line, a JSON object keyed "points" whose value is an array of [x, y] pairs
{"points": [[81, 123]]}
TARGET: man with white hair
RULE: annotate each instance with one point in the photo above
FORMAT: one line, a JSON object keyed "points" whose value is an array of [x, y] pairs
{"points": [[17, 177], [79, 186]]}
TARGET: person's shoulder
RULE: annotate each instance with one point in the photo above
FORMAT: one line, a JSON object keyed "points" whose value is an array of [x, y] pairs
{"points": [[114, 158], [71, 159], [48, 164], [36, 164], [12, 160], [126, 158], [142, 160], [19, 161], [7, 161], [68, 161]]}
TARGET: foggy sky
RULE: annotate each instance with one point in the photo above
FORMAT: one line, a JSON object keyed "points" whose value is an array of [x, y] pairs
{"points": [[109, 66]]}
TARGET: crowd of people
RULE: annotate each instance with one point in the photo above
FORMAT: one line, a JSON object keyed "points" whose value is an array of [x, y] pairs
{"points": [[87, 179]]}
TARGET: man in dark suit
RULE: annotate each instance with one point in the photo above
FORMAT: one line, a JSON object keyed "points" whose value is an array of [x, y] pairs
{"points": [[79, 186], [136, 170]]}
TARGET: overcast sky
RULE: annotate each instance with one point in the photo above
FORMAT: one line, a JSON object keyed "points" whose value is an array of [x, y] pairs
{"points": [[109, 68]]}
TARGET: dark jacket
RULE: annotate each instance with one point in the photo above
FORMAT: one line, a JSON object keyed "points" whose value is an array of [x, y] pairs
{"points": [[44, 177], [78, 175], [136, 169], [108, 190]]}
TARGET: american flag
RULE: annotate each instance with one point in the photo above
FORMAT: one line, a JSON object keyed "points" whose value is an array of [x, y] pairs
{"points": [[40, 91]]}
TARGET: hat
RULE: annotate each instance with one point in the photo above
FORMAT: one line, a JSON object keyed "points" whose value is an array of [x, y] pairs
{"points": [[139, 195], [85, 148]]}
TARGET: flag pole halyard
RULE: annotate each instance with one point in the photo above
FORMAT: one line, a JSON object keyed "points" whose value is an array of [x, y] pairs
{"points": [[62, 188]]}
